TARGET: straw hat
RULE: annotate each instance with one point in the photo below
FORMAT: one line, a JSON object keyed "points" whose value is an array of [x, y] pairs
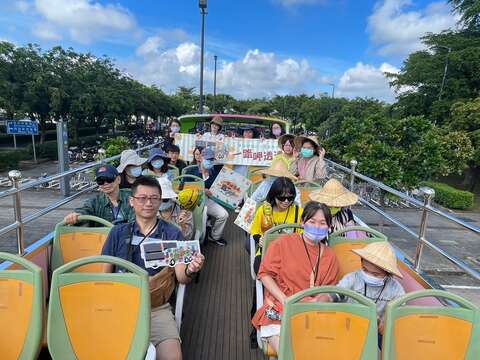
{"points": [[167, 188], [278, 169], [130, 157], [382, 255], [284, 138], [299, 140], [217, 120], [334, 194]]}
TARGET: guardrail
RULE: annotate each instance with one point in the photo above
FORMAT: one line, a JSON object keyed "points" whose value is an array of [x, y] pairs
{"points": [[17, 188], [426, 207]]}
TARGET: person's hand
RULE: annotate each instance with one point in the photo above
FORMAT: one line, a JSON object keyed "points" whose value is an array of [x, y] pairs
{"points": [[380, 325], [323, 298], [296, 153], [260, 242], [208, 192], [71, 218], [196, 264], [321, 153], [182, 217]]}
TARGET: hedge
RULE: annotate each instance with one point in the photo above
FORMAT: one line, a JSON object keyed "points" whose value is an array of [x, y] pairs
{"points": [[450, 197], [9, 159]]}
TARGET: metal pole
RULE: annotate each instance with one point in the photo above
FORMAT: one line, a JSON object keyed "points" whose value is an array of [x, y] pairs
{"points": [[14, 141], [202, 60], [353, 165], [444, 72], [215, 85], [34, 151], [62, 148], [428, 195], [15, 177]]}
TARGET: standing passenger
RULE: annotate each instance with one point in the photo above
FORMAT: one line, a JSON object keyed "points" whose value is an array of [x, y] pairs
{"points": [[310, 165]]}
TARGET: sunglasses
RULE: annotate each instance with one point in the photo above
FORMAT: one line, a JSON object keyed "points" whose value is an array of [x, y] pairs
{"points": [[102, 181], [285, 198]]}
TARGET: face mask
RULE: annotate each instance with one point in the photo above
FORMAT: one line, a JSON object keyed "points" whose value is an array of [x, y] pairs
{"points": [[157, 164], [306, 153], [145, 172], [136, 171], [334, 211], [166, 205], [175, 129], [371, 280], [277, 132], [207, 164], [315, 234]]}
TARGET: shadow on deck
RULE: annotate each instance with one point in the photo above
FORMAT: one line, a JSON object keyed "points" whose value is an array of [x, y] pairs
{"points": [[216, 322]]}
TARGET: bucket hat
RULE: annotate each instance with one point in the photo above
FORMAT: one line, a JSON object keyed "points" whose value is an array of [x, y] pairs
{"points": [[130, 157]]}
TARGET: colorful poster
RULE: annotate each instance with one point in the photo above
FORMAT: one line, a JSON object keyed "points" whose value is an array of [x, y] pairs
{"points": [[159, 253], [229, 188], [246, 215], [234, 151]]}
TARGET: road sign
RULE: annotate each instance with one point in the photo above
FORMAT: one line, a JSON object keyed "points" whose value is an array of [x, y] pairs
{"points": [[22, 127]]}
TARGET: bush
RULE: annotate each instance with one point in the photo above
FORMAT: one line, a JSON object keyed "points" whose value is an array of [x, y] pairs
{"points": [[9, 159], [449, 196], [47, 150]]}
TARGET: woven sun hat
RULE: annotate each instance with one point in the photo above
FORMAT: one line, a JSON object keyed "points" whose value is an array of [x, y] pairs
{"points": [[217, 120], [284, 138], [334, 194], [278, 169], [130, 157], [299, 140], [167, 188], [382, 255]]}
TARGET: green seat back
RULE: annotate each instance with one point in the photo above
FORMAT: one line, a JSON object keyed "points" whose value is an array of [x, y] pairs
{"points": [[275, 232], [306, 187], [174, 170], [76, 242], [186, 169], [342, 246], [93, 316], [21, 309], [184, 182], [328, 331], [431, 332]]}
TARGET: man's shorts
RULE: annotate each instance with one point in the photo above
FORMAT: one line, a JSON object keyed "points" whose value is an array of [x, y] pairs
{"points": [[162, 325]]}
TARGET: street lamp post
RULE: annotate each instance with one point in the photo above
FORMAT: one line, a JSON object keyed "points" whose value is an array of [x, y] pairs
{"points": [[449, 50], [215, 84], [333, 90], [203, 10]]}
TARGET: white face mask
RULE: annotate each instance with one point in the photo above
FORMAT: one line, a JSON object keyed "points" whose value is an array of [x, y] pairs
{"points": [[371, 280], [174, 129]]}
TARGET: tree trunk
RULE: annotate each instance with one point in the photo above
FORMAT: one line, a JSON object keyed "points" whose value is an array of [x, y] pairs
{"points": [[475, 174]]}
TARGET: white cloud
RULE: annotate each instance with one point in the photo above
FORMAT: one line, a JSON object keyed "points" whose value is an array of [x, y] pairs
{"points": [[47, 32], [22, 6], [83, 20], [395, 31], [365, 80], [151, 46], [290, 3]]}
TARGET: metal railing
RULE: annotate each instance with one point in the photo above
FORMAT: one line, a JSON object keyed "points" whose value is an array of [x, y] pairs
{"points": [[17, 188], [426, 207]]}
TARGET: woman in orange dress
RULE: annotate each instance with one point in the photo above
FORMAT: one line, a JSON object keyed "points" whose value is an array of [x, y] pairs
{"points": [[295, 262]]}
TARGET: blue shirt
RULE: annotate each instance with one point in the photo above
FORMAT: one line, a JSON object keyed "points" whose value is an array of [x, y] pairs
{"points": [[118, 240]]}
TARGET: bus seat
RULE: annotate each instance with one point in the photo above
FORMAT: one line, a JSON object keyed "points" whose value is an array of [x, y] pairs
{"points": [[200, 221], [188, 168], [21, 309], [95, 316], [173, 170], [342, 246], [330, 331], [75, 242], [253, 173], [431, 332], [253, 187]]}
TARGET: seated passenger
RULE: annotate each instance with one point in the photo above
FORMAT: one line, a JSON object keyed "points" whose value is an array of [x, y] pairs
{"points": [[278, 209], [197, 158], [215, 127], [208, 171], [309, 166], [124, 242], [293, 263], [276, 170], [171, 211], [157, 163], [287, 147], [130, 168], [374, 280], [173, 154], [338, 199], [110, 204]]}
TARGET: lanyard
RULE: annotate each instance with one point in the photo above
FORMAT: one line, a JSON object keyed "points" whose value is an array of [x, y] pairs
{"points": [[129, 254], [315, 270], [380, 294]]}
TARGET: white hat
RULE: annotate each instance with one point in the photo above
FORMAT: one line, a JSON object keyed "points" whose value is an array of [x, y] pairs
{"points": [[129, 157], [167, 188]]}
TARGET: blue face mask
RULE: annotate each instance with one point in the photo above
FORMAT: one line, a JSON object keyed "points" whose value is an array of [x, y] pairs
{"points": [[371, 280], [145, 172], [157, 164], [207, 164], [315, 234], [306, 153], [135, 171]]}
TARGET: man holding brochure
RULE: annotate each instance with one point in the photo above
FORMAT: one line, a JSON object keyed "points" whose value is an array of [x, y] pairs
{"points": [[128, 241]]}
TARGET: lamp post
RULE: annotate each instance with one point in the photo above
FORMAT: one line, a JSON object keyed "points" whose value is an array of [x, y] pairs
{"points": [[449, 50], [203, 10], [215, 57], [333, 90]]}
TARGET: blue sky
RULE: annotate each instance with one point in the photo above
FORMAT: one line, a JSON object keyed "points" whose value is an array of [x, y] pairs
{"points": [[265, 47]]}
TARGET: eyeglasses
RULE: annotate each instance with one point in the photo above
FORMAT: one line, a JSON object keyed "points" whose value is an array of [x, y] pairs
{"points": [[285, 198], [102, 181], [155, 199]]}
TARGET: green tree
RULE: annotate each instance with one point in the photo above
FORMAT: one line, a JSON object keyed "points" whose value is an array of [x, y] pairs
{"points": [[469, 11]]}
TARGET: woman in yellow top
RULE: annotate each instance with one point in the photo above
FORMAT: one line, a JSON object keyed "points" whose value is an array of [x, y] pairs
{"points": [[286, 144], [279, 208]]}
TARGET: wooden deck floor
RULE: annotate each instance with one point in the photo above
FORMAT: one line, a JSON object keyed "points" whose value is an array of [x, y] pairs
{"points": [[216, 322]]}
